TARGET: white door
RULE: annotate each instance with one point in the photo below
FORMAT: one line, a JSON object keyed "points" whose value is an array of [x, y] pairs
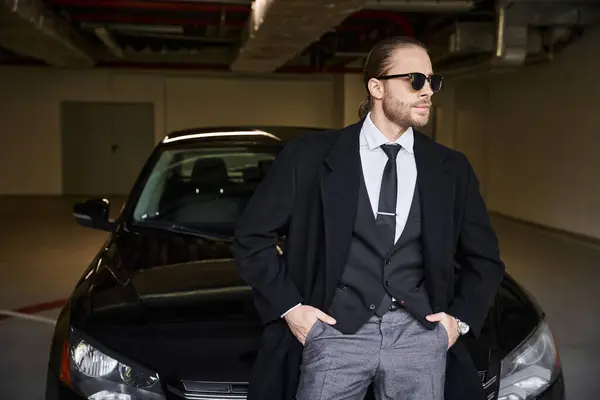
{"points": [[133, 141], [104, 146]]}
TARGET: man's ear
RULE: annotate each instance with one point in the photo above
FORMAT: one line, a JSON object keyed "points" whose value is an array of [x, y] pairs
{"points": [[376, 88]]}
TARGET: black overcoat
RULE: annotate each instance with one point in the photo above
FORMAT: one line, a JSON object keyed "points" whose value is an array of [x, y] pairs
{"points": [[310, 196]]}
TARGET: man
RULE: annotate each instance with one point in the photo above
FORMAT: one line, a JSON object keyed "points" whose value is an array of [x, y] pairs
{"points": [[376, 216]]}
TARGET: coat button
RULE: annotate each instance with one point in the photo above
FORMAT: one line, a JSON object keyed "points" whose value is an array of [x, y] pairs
{"points": [[437, 309], [372, 306], [388, 261], [387, 283]]}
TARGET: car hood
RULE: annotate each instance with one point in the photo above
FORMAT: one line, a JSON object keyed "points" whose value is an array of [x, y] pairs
{"points": [[187, 315], [175, 303]]}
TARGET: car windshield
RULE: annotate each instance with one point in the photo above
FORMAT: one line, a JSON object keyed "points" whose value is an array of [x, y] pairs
{"points": [[203, 187]]}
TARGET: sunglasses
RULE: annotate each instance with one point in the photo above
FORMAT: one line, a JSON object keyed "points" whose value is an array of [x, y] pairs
{"points": [[417, 80]]}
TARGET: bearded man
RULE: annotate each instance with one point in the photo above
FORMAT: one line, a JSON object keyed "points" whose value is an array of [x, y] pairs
{"points": [[376, 218]]}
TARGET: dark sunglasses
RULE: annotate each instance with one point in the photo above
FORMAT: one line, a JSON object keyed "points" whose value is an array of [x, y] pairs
{"points": [[417, 80]]}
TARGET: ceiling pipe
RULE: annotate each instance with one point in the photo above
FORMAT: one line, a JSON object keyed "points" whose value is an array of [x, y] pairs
{"points": [[187, 6], [225, 68], [180, 38], [154, 5], [322, 70], [432, 6], [151, 20], [166, 29], [161, 32], [201, 7]]}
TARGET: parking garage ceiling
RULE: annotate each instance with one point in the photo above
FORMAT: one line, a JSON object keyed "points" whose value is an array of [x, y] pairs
{"points": [[284, 35]]}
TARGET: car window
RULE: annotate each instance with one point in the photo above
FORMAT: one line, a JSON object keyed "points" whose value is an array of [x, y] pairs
{"points": [[205, 187]]}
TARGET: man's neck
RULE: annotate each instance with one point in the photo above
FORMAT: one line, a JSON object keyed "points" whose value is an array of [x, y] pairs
{"points": [[389, 129]]}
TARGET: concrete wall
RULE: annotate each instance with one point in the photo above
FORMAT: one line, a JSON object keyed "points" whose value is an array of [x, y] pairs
{"points": [[30, 144], [533, 138]]}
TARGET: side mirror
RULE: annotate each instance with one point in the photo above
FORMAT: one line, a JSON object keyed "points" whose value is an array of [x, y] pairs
{"points": [[93, 214]]}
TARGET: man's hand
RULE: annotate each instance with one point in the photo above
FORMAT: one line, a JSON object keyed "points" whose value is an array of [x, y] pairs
{"points": [[449, 323], [302, 318]]}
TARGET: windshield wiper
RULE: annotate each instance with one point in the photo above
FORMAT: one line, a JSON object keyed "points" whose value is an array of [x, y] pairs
{"points": [[178, 228]]}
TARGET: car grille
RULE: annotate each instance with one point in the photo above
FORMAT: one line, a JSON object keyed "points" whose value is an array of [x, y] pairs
{"points": [[201, 390], [490, 384]]}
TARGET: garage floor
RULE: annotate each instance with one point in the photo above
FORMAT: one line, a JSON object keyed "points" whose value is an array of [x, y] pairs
{"points": [[44, 252]]}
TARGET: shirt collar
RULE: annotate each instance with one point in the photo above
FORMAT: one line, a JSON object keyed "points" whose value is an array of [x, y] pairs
{"points": [[375, 138]]}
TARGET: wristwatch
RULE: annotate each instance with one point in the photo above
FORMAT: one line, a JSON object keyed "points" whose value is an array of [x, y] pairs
{"points": [[463, 327]]}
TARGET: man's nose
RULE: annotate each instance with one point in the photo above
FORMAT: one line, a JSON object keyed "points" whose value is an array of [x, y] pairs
{"points": [[426, 90], [426, 93]]}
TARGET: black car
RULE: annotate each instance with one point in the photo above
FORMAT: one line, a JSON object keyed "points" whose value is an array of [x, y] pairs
{"points": [[161, 313]]}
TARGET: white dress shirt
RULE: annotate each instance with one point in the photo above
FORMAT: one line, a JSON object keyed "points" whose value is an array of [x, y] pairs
{"points": [[373, 160]]}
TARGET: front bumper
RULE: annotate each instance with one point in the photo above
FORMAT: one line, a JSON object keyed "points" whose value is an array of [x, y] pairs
{"points": [[56, 390]]}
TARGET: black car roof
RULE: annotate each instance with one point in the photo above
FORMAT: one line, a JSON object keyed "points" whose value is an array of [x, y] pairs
{"points": [[256, 133]]}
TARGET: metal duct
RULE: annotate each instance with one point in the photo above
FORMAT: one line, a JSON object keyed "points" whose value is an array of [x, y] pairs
{"points": [[279, 30], [423, 6], [526, 32], [482, 47], [29, 28], [475, 39], [511, 41], [139, 28], [506, 41]]}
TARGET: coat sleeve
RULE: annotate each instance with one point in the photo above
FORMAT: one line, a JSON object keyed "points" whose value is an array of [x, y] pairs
{"points": [[481, 268], [264, 219]]}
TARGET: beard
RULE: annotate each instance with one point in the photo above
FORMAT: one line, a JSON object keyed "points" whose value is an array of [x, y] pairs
{"points": [[401, 113]]}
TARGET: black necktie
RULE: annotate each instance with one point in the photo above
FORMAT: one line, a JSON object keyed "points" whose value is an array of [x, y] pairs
{"points": [[386, 213]]}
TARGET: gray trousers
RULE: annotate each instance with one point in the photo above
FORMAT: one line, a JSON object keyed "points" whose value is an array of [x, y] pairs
{"points": [[403, 359]]}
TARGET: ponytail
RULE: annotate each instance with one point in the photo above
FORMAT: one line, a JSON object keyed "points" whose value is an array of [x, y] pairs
{"points": [[365, 107]]}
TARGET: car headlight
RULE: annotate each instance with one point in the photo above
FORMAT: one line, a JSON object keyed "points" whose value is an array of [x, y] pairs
{"points": [[99, 374], [530, 368]]}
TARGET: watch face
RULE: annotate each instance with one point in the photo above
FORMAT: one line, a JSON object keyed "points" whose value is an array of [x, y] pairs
{"points": [[463, 328]]}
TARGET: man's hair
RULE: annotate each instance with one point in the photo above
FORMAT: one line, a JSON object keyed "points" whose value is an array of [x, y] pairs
{"points": [[378, 63]]}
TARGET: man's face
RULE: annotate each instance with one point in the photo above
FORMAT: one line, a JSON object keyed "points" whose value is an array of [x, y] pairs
{"points": [[401, 104]]}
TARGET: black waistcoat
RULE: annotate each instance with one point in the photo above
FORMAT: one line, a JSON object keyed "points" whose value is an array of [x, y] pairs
{"points": [[373, 274]]}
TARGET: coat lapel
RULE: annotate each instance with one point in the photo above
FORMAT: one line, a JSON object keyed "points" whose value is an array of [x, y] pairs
{"points": [[340, 182], [436, 189]]}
